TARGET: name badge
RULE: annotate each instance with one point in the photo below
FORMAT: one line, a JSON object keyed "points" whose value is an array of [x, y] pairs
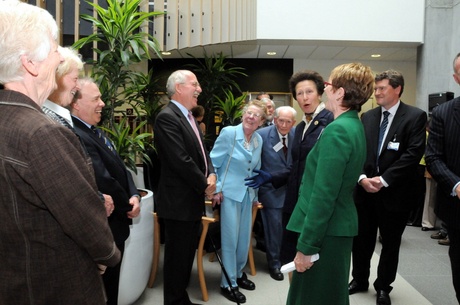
{"points": [[393, 146], [278, 146]]}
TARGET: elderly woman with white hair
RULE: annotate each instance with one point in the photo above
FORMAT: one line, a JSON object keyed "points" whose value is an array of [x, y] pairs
{"points": [[67, 85], [55, 236]]}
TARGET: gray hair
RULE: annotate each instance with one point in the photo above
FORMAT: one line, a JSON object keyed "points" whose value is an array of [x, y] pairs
{"points": [[267, 100], [24, 29], [285, 108], [177, 77]]}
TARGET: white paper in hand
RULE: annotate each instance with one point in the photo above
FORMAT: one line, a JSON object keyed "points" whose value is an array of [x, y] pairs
{"points": [[289, 267]]}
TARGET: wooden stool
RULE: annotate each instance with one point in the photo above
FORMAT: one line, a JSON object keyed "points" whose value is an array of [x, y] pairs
{"points": [[200, 251]]}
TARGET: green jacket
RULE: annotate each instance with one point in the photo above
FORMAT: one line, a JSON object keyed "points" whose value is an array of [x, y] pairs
{"points": [[325, 205]]}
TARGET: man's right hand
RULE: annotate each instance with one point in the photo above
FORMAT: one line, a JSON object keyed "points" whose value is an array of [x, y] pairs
{"points": [[258, 180]]}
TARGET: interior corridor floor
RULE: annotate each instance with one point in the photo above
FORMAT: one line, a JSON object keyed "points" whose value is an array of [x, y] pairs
{"points": [[424, 277]]}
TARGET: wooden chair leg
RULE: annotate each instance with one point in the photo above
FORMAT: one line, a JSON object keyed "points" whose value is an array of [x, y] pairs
{"points": [[252, 265], [156, 250], [199, 258]]}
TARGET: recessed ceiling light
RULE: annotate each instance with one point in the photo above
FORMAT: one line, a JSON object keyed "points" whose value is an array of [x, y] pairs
{"points": [[375, 55], [271, 53], [166, 53]]}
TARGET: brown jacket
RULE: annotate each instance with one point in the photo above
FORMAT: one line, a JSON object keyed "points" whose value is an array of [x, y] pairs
{"points": [[53, 226]]}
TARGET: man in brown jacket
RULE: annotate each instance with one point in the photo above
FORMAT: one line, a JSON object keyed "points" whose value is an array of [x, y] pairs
{"points": [[53, 225]]}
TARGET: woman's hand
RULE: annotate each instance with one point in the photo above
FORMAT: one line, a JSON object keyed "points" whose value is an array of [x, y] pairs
{"points": [[302, 262], [217, 199]]}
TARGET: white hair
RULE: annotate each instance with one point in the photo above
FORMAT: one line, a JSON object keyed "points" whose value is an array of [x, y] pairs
{"points": [[285, 108], [24, 29]]}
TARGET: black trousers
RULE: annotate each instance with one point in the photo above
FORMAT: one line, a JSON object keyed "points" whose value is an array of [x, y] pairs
{"points": [[372, 216], [111, 279], [454, 254], [181, 238]]}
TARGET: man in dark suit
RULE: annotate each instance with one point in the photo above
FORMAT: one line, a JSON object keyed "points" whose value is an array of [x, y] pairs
{"points": [[112, 177], [387, 184], [186, 177], [442, 158], [276, 155]]}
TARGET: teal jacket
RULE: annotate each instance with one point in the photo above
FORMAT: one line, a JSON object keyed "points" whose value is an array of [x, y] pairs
{"points": [[325, 205]]}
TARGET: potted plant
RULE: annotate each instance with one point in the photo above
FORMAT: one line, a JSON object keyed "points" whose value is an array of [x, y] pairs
{"points": [[231, 108], [217, 77]]}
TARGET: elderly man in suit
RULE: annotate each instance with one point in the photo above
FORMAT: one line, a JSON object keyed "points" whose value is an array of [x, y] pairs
{"points": [[53, 225], [395, 136], [186, 178], [442, 157], [276, 156], [112, 177]]}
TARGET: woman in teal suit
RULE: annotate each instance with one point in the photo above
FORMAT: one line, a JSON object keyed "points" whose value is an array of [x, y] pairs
{"points": [[325, 215], [235, 155]]}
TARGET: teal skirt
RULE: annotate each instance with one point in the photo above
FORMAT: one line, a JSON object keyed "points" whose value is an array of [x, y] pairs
{"points": [[326, 282]]}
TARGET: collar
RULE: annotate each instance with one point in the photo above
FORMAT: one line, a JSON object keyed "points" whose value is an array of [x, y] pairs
{"points": [[59, 110], [86, 124], [181, 108], [392, 110], [318, 109]]}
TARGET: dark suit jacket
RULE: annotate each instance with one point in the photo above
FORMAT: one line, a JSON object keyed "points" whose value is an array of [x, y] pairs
{"points": [[180, 194], [273, 161], [300, 150], [443, 159], [112, 178], [397, 167]]}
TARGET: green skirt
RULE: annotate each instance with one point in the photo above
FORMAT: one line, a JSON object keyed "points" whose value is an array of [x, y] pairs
{"points": [[326, 282]]}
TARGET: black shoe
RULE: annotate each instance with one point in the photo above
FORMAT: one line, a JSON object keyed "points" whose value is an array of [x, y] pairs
{"points": [[383, 298], [438, 235], [233, 294], [245, 283], [276, 274], [355, 287], [427, 229]]}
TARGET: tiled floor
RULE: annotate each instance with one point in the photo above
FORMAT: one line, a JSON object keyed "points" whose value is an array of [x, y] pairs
{"points": [[424, 278]]}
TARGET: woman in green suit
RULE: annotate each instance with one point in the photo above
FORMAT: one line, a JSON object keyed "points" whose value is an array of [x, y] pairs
{"points": [[325, 214]]}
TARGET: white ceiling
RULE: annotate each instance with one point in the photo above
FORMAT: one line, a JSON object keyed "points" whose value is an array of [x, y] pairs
{"points": [[313, 50]]}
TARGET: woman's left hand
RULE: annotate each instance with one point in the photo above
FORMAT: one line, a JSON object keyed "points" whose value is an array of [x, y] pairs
{"points": [[302, 262]]}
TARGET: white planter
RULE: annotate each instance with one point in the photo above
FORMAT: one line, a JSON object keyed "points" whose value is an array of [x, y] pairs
{"points": [[137, 259], [139, 177]]}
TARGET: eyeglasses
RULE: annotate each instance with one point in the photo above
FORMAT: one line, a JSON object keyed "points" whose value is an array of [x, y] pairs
{"points": [[250, 113], [328, 84]]}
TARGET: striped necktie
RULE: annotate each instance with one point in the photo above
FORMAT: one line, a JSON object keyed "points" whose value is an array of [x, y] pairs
{"points": [[383, 128], [101, 135]]}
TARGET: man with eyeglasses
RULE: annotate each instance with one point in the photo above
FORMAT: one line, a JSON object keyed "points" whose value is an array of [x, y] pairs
{"points": [[442, 159], [276, 156], [186, 177], [395, 136]]}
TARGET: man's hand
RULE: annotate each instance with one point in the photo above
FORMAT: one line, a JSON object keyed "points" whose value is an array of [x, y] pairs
{"points": [[217, 199], [371, 185], [258, 180], [134, 201], [211, 186], [108, 203]]}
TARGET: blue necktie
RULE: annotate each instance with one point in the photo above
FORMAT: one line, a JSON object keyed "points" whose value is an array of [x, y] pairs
{"points": [[383, 128], [102, 136]]}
